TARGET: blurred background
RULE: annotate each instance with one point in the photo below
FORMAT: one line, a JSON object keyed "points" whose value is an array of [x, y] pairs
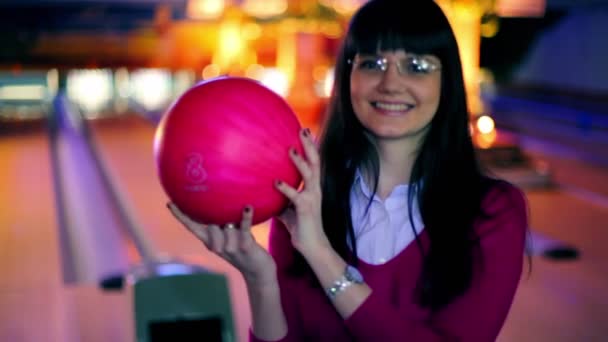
{"points": [[83, 85]]}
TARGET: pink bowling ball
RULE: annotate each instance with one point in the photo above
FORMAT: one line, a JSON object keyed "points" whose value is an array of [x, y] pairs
{"points": [[222, 145]]}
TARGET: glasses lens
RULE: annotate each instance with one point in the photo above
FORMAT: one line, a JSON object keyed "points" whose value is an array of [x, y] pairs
{"points": [[370, 64], [411, 65], [416, 65]]}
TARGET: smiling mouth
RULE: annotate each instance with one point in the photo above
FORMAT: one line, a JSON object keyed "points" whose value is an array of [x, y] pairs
{"points": [[392, 107]]}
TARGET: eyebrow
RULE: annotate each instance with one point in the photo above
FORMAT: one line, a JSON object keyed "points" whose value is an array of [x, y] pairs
{"points": [[409, 54]]}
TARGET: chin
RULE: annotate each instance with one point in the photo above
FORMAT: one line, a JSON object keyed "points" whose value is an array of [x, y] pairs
{"points": [[395, 134]]}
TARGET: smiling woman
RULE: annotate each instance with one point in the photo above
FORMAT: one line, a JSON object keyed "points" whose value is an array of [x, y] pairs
{"points": [[395, 233]]}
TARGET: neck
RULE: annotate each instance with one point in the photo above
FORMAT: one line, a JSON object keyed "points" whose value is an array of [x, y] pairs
{"points": [[396, 159]]}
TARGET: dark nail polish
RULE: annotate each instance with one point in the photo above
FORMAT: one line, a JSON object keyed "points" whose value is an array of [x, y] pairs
{"points": [[293, 151], [247, 209], [305, 132], [278, 182]]}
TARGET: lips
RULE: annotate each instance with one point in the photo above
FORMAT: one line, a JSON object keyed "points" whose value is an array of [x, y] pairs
{"points": [[391, 106]]}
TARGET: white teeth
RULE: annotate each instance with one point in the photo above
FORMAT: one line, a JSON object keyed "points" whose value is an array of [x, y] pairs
{"points": [[392, 106]]}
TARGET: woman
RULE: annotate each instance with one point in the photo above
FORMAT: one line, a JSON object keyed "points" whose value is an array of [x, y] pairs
{"points": [[396, 235]]}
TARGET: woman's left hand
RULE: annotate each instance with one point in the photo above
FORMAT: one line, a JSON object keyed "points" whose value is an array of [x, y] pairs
{"points": [[303, 218]]}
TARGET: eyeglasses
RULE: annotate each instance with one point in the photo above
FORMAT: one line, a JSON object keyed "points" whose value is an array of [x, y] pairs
{"points": [[412, 65]]}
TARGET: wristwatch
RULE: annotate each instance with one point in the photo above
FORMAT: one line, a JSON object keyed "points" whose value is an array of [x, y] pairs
{"points": [[351, 276]]}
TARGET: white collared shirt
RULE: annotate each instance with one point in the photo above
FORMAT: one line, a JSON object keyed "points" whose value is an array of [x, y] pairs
{"points": [[385, 230]]}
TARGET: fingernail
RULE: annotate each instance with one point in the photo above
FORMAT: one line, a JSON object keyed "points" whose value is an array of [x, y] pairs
{"points": [[292, 151], [305, 132], [247, 209], [278, 182]]}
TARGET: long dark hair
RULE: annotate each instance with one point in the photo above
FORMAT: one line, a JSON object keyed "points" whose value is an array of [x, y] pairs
{"points": [[447, 181]]}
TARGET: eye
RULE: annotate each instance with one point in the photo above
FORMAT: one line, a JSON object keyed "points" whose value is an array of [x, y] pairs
{"points": [[370, 64], [418, 66]]}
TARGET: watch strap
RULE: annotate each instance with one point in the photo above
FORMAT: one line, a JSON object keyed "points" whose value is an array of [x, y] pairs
{"points": [[351, 276]]}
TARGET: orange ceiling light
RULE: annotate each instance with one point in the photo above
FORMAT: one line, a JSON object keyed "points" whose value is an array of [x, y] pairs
{"points": [[264, 9], [205, 9], [344, 7]]}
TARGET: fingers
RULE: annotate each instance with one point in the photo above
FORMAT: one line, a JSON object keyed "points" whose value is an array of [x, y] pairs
{"points": [[216, 239], [308, 164], [183, 218], [196, 228], [289, 192], [310, 149], [247, 219], [246, 238], [238, 242], [224, 241], [228, 241]]}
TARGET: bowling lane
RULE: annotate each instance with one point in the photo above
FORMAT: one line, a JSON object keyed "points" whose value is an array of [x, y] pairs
{"points": [[564, 300], [35, 305], [27, 240]]}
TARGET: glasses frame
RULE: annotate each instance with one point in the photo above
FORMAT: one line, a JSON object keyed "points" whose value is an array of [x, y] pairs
{"points": [[429, 65]]}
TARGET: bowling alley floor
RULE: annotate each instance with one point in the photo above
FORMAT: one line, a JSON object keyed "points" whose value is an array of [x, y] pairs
{"points": [[558, 300]]}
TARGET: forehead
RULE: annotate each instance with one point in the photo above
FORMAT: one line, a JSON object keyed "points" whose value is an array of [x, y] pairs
{"points": [[387, 53], [370, 43]]}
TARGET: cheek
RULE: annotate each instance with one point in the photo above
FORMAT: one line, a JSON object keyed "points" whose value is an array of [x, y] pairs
{"points": [[356, 95], [354, 88], [431, 93], [359, 87], [437, 92]]}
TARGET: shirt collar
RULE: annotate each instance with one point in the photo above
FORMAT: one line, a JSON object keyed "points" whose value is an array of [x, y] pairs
{"points": [[359, 183]]}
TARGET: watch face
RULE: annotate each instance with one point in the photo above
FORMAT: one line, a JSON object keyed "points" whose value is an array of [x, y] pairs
{"points": [[353, 274]]}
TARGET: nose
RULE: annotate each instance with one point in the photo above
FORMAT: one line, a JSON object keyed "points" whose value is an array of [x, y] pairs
{"points": [[391, 81]]}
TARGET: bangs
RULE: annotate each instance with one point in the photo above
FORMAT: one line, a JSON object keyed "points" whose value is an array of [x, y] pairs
{"points": [[430, 43], [412, 26]]}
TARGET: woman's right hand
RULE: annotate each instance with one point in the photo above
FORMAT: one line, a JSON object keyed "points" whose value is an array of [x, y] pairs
{"points": [[236, 245]]}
